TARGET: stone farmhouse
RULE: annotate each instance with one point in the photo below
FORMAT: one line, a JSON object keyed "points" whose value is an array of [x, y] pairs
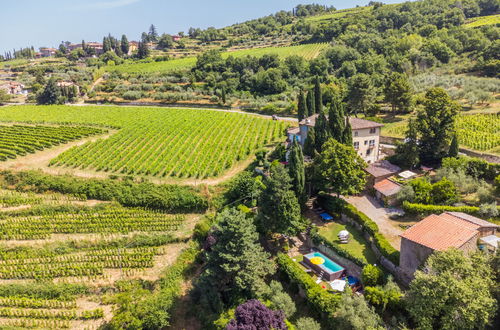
{"points": [[365, 135], [439, 233]]}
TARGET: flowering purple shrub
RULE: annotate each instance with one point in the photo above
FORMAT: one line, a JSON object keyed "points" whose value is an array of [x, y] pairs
{"points": [[210, 241], [253, 315]]}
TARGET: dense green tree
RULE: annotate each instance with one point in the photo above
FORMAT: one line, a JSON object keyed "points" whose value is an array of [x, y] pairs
{"points": [[106, 45], [4, 97], [124, 45], [454, 148], [310, 143], [444, 192], [354, 313], [336, 120], [398, 92], [407, 152], [339, 169], [348, 133], [237, 265], [142, 50], [152, 34], [318, 96], [371, 275], [279, 210], [435, 125], [311, 106], [297, 172], [322, 132], [50, 94], [361, 93], [302, 106], [166, 41], [453, 293]]}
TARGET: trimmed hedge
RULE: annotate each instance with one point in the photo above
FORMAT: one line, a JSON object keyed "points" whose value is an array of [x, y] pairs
{"points": [[318, 239], [362, 219], [424, 209], [170, 198], [322, 301]]}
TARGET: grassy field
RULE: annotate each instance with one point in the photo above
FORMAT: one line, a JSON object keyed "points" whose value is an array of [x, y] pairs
{"points": [[485, 20], [60, 257], [357, 245], [479, 132], [156, 142], [308, 51]]}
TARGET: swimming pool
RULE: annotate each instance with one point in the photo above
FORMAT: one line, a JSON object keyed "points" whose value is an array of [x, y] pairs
{"points": [[330, 269]]}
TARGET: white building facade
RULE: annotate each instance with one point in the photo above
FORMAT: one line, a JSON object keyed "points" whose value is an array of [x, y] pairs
{"points": [[365, 136]]}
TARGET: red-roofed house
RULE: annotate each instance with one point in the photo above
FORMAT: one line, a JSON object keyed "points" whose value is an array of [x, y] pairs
{"points": [[439, 233]]}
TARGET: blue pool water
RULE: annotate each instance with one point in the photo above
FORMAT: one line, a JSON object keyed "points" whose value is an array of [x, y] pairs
{"points": [[329, 266]]}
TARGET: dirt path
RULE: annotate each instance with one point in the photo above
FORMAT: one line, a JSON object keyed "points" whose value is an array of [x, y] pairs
{"points": [[375, 211], [41, 159]]}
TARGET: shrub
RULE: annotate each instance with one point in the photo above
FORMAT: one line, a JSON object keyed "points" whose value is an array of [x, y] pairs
{"points": [[307, 323], [371, 275], [489, 210], [132, 95], [280, 300], [444, 192]]}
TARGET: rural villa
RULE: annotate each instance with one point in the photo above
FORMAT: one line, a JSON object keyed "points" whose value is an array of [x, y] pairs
{"points": [[365, 135], [441, 232]]}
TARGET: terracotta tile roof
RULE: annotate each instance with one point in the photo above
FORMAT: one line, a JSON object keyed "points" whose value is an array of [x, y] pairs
{"points": [[356, 123], [387, 187], [293, 130], [440, 233], [470, 218], [459, 221], [382, 168]]}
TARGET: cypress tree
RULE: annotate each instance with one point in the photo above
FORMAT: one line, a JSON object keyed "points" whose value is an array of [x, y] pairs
{"points": [[311, 108], [297, 172], [279, 210], [318, 98], [124, 45], [322, 132], [302, 106], [223, 95], [336, 120], [347, 140], [310, 142], [454, 147]]}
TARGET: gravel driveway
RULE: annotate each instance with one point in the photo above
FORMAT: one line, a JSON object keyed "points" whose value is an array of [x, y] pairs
{"points": [[380, 214]]}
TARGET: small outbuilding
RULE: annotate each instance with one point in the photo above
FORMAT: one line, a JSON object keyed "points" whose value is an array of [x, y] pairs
{"points": [[379, 171], [386, 191]]}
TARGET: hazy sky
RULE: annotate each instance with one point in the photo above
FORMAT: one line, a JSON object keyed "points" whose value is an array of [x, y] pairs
{"points": [[48, 22]]}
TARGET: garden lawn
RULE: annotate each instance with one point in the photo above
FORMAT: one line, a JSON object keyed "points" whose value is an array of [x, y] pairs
{"points": [[357, 245]]}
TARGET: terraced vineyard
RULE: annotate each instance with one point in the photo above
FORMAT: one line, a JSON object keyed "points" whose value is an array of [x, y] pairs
{"points": [[158, 142], [109, 221], [308, 51], [485, 20], [480, 132], [22, 139], [101, 245]]}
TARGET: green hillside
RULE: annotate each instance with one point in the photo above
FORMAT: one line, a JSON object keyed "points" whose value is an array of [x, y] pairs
{"points": [[307, 51]]}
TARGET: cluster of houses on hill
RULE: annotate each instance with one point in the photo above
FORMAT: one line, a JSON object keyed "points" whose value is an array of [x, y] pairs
{"points": [[435, 232], [96, 46]]}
